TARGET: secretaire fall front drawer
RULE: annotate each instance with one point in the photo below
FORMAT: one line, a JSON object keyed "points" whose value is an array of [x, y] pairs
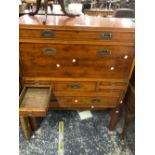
{"points": [[76, 35], [84, 59], [61, 60]]}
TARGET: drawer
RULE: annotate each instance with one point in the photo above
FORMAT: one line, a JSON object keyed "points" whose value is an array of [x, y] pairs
{"points": [[74, 86], [102, 86], [104, 93], [90, 102], [37, 82], [58, 60], [76, 35], [34, 101]]}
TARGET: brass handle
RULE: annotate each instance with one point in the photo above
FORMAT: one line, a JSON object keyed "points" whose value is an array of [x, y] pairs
{"points": [[103, 52], [49, 51], [47, 34], [96, 100], [75, 86], [106, 35]]}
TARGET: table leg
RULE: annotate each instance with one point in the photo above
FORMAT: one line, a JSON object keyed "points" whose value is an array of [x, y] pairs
{"points": [[26, 128], [114, 118]]}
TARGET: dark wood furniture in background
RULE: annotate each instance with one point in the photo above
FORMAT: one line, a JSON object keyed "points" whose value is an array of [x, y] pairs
{"points": [[124, 13], [88, 62], [98, 9], [98, 12]]}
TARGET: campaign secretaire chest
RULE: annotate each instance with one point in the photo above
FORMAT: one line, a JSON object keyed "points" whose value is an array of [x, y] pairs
{"points": [[86, 61]]}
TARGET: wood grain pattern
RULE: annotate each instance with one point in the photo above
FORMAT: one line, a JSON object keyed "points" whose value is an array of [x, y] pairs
{"points": [[75, 35], [86, 60], [35, 61], [24, 79], [95, 101], [34, 101], [85, 23], [111, 86], [73, 86], [105, 93]]}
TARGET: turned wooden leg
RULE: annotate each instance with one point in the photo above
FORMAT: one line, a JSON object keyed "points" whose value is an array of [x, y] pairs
{"points": [[26, 128], [114, 118], [33, 122]]}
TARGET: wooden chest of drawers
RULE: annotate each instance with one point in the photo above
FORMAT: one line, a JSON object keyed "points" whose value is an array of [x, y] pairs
{"points": [[87, 60]]}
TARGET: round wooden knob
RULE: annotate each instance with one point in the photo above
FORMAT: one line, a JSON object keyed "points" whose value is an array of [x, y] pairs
{"points": [[112, 68], [92, 107], [73, 60], [116, 111], [75, 100], [126, 57], [57, 65]]}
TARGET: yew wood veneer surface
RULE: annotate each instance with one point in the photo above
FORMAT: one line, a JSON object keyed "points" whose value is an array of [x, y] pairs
{"points": [[82, 48], [35, 61], [87, 60], [87, 101], [81, 22], [85, 28]]}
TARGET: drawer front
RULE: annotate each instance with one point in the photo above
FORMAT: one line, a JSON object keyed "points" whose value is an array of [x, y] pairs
{"points": [[59, 60], [37, 82], [74, 86], [90, 102], [76, 35], [34, 101], [102, 86], [104, 93]]}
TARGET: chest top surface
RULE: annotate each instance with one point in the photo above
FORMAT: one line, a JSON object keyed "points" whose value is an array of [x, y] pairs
{"points": [[82, 22]]}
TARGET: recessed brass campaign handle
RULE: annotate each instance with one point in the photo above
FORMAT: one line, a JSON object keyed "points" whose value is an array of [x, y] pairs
{"points": [[106, 35], [47, 34], [103, 52], [96, 100], [49, 51], [75, 86]]}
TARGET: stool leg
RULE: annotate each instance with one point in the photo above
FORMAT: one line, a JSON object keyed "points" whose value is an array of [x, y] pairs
{"points": [[114, 118], [33, 122], [26, 128]]}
